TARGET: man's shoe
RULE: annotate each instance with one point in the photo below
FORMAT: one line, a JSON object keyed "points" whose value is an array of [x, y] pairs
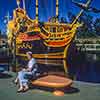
{"points": [[20, 90], [25, 89]]}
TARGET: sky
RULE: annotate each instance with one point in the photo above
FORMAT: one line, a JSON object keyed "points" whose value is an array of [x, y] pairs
{"points": [[47, 9]]}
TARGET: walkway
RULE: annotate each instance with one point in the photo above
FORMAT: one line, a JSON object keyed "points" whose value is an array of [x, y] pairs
{"points": [[80, 91]]}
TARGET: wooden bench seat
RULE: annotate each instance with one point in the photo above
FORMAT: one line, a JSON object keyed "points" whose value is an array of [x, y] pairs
{"points": [[53, 81]]}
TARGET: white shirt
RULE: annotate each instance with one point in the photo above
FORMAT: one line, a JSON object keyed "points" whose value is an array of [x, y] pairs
{"points": [[31, 63], [34, 68]]}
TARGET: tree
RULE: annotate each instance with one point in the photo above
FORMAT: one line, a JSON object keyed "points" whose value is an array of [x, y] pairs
{"points": [[71, 16], [87, 30], [0, 32], [97, 26]]}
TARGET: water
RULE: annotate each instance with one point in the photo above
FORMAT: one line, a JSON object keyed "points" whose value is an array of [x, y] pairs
{"points": [[4, 59], [4, 67], [85, 66]]}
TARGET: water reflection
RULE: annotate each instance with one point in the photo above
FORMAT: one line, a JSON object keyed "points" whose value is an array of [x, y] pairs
{"points": [[84, 66]]}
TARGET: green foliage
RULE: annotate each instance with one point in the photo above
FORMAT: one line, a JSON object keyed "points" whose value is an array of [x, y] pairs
{"points": [[90, 28]]}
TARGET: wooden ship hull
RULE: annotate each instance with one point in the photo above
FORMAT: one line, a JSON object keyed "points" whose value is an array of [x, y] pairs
{"points": [[48, 41]]}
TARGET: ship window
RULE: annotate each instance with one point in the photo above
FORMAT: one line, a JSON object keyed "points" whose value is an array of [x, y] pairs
{"points": [[53, 29], [60, 29]]}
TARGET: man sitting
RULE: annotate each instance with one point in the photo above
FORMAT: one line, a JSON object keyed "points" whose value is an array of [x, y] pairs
{"points": [[31, 70]]}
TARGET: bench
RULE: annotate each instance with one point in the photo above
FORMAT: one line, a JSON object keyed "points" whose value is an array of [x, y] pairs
{"points": [[55, 82]]}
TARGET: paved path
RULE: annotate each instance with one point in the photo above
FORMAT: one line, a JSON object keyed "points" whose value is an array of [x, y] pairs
{"points": [[80, 91]]}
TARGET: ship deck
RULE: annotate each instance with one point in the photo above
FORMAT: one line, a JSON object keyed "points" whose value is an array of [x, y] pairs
{"points": [[79, 91]]}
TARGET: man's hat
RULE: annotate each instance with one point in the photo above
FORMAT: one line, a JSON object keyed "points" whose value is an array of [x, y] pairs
{"points": [[29, 52]]}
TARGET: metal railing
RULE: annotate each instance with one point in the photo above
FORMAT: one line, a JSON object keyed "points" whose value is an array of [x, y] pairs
{"points": [[88, 47]]}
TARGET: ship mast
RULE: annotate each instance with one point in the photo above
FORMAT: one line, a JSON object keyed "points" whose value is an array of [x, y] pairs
{"points": [[37, 9], [18, 3], [24, 5], [57, 5]]}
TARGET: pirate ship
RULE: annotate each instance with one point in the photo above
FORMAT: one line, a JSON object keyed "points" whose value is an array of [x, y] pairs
{"points": [[49, 41]]}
